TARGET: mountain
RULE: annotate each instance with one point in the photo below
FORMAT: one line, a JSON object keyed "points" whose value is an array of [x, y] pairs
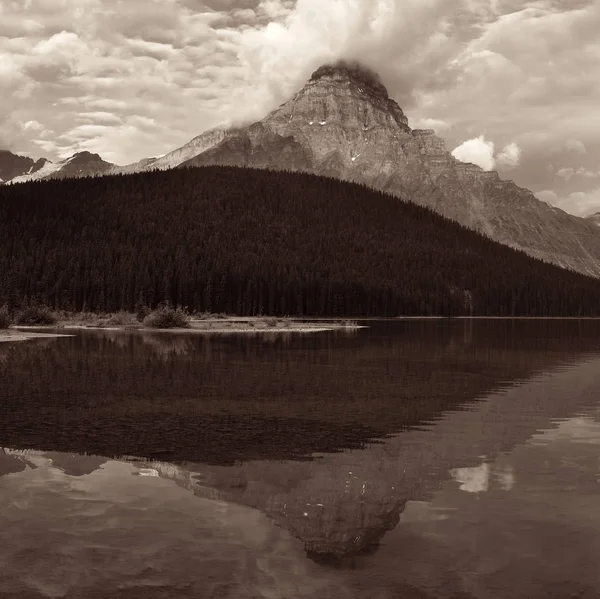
{"points": [[196, 146], [253, 241], [81, 164], [594, 218], [13, 165], [145, 164], [19, 169], [343, 124]]}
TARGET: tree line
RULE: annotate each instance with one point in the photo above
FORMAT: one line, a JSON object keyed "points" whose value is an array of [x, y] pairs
{"points": [[249, 242]]}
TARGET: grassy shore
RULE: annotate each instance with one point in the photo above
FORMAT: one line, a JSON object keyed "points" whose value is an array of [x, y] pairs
{"points": [[14, 335], [205, 322]]}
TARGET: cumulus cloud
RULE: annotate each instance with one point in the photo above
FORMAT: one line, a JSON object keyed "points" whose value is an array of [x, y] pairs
{"points": [[580, 203], [583, 203], [510, 156], [565, 173], [438, 125], [588, 173], [576, 145], [478, 151]]}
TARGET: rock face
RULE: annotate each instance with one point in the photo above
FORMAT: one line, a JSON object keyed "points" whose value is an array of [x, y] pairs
{"points": [[196, 146], [81, 164], [13, 165], [145, 164], [343, 124]]}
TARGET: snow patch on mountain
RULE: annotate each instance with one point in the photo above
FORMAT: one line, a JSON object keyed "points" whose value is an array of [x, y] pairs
{"points": [[48, 169], [196, 146]]}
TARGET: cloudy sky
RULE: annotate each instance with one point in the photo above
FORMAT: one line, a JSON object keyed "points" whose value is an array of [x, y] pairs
{"points": [[511, 85]]}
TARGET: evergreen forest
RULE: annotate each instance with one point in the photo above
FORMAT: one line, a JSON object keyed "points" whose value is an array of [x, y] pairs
{"points": [[250, 242]]}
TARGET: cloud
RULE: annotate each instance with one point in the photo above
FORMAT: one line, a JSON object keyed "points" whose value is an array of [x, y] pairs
{"points": [[580, 203], [575, 145], [438, 125], [473, 480], [32, 126], [478, 151], [583, 203], [510, 156], [568, 173], [565, 173], [548, 196], [588, 173], [526, 73]]}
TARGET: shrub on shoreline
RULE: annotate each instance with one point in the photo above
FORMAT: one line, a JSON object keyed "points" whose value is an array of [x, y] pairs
{"points": [[5, 318], [122, 318], [141, 311], [167, 317], [36, 315]]}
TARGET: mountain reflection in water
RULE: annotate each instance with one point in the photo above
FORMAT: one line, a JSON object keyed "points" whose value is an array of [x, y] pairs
{"points": [[332, 438]]}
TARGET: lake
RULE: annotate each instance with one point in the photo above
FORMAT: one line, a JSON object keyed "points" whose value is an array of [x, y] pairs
{"points": [[426, 459]]}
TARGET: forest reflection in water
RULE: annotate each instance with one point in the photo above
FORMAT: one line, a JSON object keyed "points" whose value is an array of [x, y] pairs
{"points": [[334, 438]]}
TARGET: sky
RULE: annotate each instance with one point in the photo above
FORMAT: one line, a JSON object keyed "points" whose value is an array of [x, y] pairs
{"points": [[511, 85]]}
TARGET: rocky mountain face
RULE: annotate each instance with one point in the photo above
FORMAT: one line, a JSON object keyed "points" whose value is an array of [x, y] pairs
{"points": [[13, 165], [19, 169], [343, 124], [81, 164], [196, 146]]}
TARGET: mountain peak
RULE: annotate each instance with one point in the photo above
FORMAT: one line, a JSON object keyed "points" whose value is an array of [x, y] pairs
{"points": [[85, 155], [355, 72]]}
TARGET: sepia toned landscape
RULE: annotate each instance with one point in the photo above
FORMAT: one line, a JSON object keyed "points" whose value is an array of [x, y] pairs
{"points": [[299, 299]]}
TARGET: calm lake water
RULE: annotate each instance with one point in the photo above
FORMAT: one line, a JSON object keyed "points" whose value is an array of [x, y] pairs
{"points": [[453, 459]]}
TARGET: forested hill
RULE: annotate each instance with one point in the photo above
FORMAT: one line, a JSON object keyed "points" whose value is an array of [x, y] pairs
{"points": [[247, 241]]}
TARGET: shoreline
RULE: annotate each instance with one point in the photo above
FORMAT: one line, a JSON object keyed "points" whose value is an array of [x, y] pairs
{"points": [[217, 325], [7, 335]]}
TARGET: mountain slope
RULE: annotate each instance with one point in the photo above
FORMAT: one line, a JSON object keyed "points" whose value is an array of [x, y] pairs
{"points": [[250, 241], [198, 145], [343, 124], [81, 164], [594, 218], [13, 165]]}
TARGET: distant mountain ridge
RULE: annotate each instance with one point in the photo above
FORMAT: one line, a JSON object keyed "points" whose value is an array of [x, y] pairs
{"points": [[13, 165], [20, 169], [343, 124], [594, 218]]}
